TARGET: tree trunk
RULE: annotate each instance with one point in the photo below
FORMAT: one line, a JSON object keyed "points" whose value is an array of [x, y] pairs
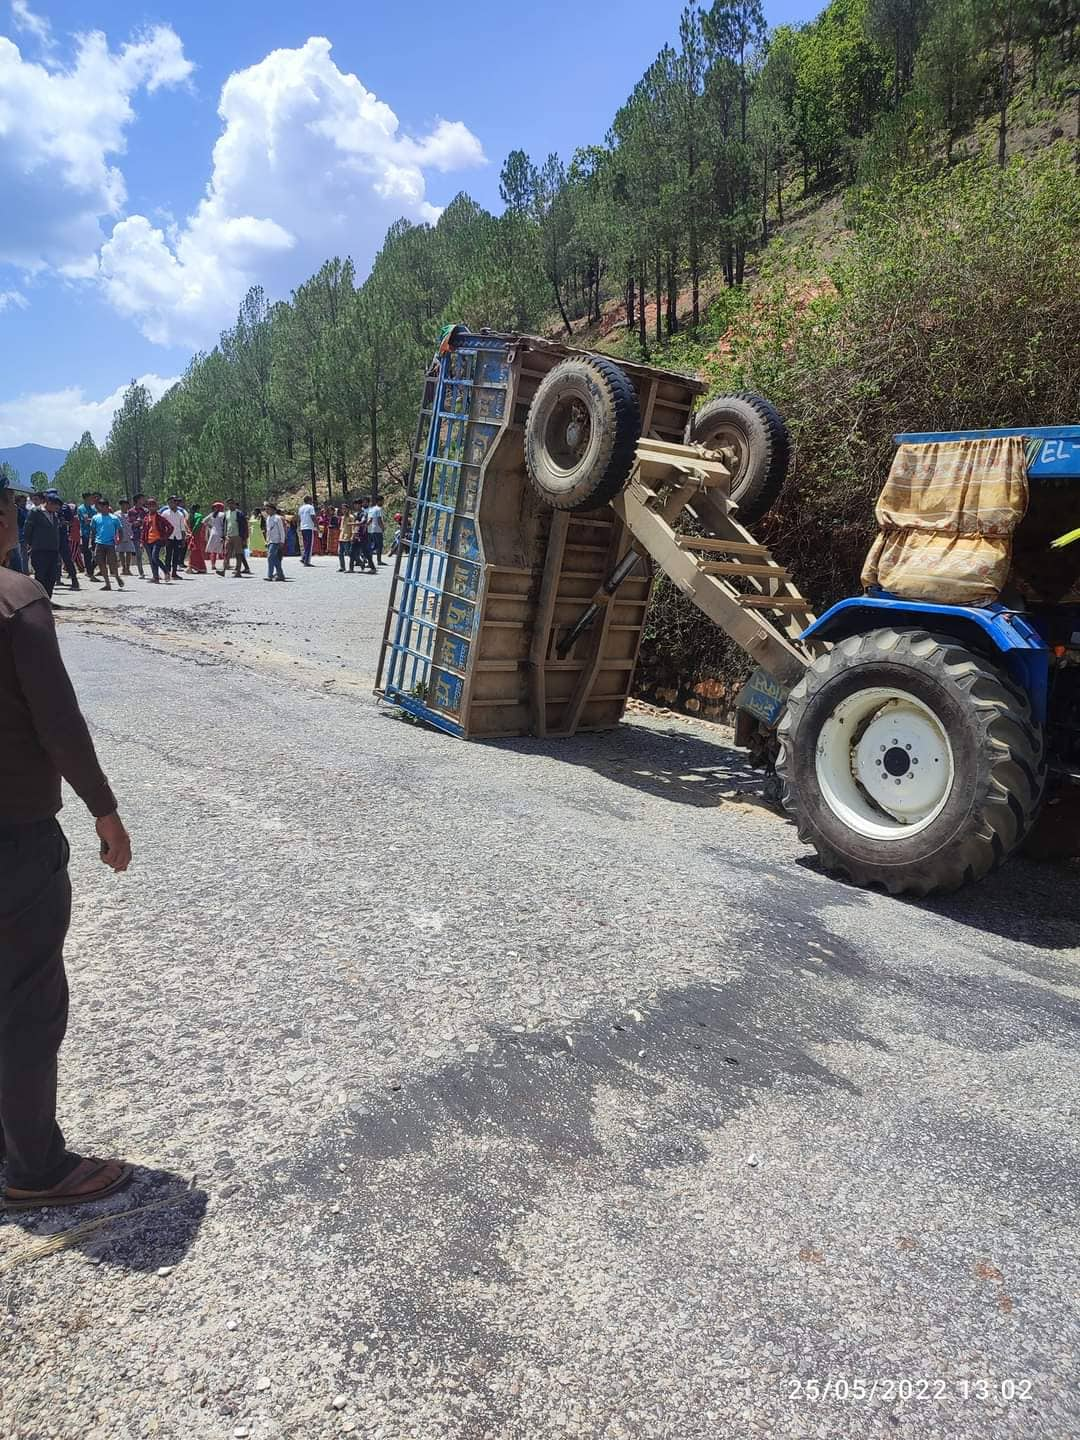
{"points": [[373, 435], [643, 338], [779, 192], [672, 296], [311, 464], [1003, 121], [630, 322], [659, 300], [695, 276], [562, 307], [765, 198]]}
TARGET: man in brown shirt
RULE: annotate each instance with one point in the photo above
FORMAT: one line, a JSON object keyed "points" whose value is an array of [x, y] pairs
{"points": [[43, 736]]}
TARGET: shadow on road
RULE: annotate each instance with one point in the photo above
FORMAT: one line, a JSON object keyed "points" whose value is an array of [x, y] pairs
{"points": [[1029, 902], [150, 1224], [672, 764]]}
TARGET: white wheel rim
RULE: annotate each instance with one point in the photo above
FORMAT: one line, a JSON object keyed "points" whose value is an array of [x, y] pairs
{"points": [[884, 764]]}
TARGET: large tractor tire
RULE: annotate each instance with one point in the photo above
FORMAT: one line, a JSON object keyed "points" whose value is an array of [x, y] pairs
{"points": [[909, 762], [581, 433], [756, 432]]}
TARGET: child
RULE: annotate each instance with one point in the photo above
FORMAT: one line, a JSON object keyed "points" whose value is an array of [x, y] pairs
{"points": [[126, 545], [106, 529]]}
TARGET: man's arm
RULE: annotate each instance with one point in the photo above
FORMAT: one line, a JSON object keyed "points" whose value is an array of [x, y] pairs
{"points": [[50, 697]]}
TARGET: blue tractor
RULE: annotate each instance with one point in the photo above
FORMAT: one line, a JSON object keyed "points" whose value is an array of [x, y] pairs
{"points": [[916, 751]]}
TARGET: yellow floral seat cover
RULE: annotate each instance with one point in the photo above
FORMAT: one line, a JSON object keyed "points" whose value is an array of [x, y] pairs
{"points": [[946, 519]]}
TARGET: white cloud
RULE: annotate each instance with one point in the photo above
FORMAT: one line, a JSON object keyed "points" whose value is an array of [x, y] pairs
{"points": [[23, 18], [59, 417], [60, 128], [14, 298], [308, 164]]}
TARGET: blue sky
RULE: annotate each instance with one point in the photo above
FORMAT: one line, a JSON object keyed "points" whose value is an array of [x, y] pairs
{"points": [[115, 262]]}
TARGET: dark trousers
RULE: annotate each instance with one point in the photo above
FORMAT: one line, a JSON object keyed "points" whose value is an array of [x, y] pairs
{"points": [[307, 536], [66, 561], [35, 908], [361, 554], [375, 538], [46, 565], [88, 553], [174, 552], [153, 550]]}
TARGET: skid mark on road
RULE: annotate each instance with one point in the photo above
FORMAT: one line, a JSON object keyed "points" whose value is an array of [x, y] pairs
{"points": [[202, 643]]}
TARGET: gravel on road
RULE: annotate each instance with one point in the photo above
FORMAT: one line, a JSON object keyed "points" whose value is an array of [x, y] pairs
{"points": [[523, 1090]]}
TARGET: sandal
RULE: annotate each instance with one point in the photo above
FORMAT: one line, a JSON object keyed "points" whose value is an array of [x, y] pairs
{"points": [[78, 1188]]}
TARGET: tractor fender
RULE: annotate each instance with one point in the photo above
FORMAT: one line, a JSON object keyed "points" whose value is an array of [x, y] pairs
{"points": [[993, 630]]}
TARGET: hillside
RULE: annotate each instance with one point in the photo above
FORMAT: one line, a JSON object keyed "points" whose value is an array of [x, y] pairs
{"points": [[26, 459]]}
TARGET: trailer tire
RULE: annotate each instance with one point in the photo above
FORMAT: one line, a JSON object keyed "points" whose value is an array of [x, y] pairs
{"points": [[756, 431], [581, 433], [859, 723]]}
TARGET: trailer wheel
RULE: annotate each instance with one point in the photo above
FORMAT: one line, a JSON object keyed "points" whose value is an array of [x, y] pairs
{"points": [[581, 432], [909, 762], [756, 432]]}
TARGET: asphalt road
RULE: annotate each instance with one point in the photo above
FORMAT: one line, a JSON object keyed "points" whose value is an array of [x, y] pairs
{"points": [[524, 1090]]}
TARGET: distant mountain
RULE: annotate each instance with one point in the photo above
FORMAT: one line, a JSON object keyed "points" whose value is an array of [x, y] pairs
{"points": [[28, 458]]}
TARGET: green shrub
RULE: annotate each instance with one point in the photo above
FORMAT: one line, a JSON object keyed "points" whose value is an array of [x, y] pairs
{"points": [[955, 305]]}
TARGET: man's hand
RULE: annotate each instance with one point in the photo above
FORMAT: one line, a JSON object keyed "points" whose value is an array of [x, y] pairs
{"points": [[115, 842]]}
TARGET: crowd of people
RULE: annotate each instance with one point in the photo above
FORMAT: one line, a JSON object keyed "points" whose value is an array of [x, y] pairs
{"points": [[94, 542]]}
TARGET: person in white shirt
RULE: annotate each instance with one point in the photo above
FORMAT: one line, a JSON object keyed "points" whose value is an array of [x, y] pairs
{"points": [[274, 527], [375, 528], [306, 518], [176, 517]]}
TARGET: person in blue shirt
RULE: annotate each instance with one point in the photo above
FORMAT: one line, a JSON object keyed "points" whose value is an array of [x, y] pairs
{"points": [[106, 529], [87, 513]]}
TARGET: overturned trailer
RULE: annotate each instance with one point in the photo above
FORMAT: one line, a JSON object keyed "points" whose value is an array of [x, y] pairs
{"points": [[534, 520]]}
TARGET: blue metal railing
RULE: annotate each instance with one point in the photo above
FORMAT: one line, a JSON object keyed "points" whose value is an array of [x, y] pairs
{"points": [[437, 589]]}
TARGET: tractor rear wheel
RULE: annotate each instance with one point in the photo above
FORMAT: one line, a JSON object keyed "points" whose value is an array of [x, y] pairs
{"points": [[581, 433], [910, 762]]}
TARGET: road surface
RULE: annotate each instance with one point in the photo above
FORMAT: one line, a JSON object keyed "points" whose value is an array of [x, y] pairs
{"points": [[524, 1090]]}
